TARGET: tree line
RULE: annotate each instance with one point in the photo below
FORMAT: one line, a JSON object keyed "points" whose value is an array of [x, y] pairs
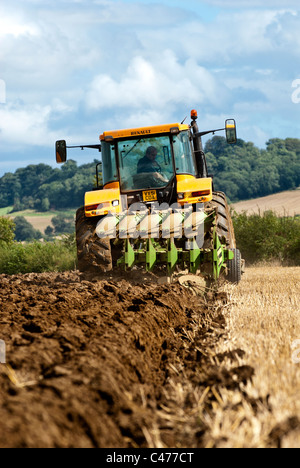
{"points": [[242, 171], [41, 187]]}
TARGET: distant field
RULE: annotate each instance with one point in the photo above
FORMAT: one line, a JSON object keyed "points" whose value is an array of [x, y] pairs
{"points": [[39, 221], [283, 203], [5, 211]]}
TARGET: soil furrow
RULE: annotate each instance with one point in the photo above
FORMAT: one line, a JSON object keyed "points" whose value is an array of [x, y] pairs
{"points": [[109, 363]]}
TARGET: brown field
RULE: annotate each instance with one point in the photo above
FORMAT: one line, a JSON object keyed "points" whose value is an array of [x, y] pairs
{"points": [[40, 222], [284, 203], [128, 361]]}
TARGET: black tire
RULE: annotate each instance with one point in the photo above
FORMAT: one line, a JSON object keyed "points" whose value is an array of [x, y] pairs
{"points": [[224, 221], [93, 253], [235, 268]]}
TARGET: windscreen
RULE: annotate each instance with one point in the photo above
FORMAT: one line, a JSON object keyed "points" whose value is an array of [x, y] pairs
{"points": [[145, 163]]}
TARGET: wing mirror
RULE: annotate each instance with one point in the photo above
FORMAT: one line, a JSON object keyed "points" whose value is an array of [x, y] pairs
{"points": [[230, 128], [61, 151]]}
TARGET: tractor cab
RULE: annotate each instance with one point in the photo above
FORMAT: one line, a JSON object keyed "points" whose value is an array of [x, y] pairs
{"points": [[149, 162], [145, 163]]}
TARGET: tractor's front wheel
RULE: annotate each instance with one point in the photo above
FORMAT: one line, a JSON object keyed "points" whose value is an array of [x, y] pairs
{"points": [[93, 253]]}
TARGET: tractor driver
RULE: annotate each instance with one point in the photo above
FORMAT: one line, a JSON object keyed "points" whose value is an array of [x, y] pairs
{"points": [[150, 170], [148, 163]]}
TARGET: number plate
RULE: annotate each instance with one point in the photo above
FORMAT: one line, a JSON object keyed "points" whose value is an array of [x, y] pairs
{"points": [[149, 195]]}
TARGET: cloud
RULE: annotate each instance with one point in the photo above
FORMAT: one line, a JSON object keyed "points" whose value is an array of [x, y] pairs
{"points": [[16, 26], [231, 38], [153, 85], [284, 33], [35, 125], [25, 126]]}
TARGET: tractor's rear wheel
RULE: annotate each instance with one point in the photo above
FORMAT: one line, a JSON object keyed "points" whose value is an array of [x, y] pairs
{"points": [[224, 225], [225, 230], [235, 268], [93, 253], [224, 221]]}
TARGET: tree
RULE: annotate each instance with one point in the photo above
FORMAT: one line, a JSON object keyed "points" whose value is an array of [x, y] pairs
{"points": [[45, 205], [293, 144], [25, 231], [10, 188], [69, 169], [49, 231], [18, 206], [7, 228], [63, 224]]}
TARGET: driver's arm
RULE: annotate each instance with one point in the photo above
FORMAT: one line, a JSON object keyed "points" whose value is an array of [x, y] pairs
{"points": [[159, 176]]}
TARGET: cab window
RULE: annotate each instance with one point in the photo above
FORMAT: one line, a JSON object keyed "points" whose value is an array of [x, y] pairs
{"points": [[109, 166], [184, 156]]}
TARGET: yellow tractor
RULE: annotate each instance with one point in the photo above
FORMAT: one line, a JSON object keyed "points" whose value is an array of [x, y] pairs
{"points": [[154, 206]]}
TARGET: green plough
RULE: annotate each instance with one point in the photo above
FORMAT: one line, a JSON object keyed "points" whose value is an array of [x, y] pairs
{"points": [[183, 253]]}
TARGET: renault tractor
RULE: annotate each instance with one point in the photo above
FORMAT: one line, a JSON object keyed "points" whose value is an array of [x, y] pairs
{"points": [[153, 206]]}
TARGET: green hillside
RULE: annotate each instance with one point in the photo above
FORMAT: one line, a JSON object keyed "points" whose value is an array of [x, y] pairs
{"points": [[244, 172], [42, 188]]}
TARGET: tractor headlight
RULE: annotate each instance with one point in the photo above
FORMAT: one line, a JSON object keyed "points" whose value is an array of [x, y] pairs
{"points": [[115, 203]]}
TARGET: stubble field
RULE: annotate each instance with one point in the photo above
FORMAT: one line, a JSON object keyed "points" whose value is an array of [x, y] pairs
{"points": [[264, 321]]}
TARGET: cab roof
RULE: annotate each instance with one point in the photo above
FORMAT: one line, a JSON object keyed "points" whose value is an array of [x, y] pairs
{"points": [[143, 131]]}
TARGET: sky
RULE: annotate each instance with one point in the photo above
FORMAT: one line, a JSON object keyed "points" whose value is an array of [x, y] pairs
{"points": [[71, 69]]}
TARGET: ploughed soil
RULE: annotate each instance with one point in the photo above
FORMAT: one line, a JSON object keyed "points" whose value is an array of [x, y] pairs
{"points": [[116, 362]]}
